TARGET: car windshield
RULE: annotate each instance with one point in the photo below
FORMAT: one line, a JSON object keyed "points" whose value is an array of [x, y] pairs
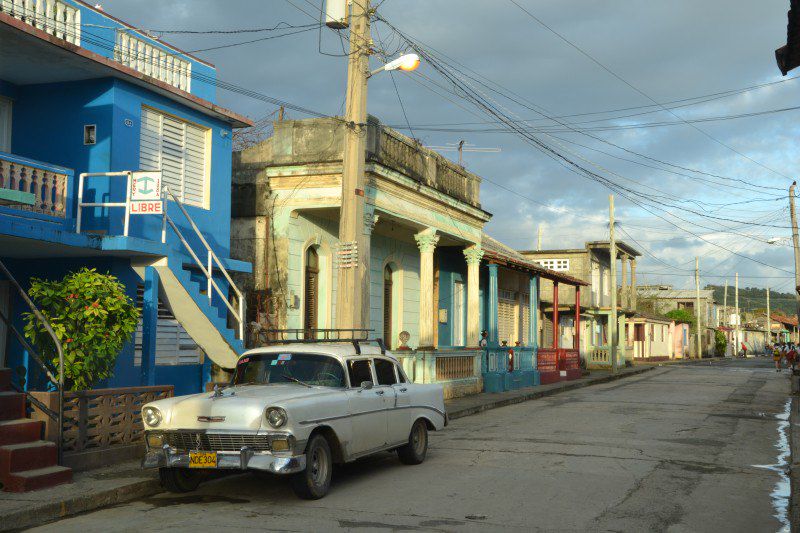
{"points": [[299, 368]]}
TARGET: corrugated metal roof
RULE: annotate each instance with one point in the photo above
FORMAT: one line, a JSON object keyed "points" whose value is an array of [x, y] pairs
{"points": [[675, 293]]}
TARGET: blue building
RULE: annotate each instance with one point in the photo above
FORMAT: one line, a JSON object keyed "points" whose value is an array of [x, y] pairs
{"points": [[84, 100]]}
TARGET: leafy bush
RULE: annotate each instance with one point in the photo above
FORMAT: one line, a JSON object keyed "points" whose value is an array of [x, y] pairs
{"points": [[681, 315], [92, 317], [720, 343]]}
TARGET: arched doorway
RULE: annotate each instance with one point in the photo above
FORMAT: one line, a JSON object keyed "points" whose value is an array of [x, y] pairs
{"points": [[387, 305], [311, 291]]}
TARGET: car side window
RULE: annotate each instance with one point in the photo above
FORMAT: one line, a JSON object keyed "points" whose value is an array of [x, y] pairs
{"points": [[400, 377], [359, 372], [385, 371]]}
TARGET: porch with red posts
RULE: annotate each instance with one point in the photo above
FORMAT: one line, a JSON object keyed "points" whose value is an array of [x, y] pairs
{"points": [[556, 363]]}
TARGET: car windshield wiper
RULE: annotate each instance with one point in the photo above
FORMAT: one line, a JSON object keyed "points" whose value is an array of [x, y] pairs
{"points": [[292, 378]]}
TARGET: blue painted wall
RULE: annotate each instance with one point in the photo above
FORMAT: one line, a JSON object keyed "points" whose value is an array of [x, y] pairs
{"points": [[452, 268]]}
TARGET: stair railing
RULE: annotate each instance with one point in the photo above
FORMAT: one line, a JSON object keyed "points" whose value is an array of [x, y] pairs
{"points": [[57, 381], [212, 259]]}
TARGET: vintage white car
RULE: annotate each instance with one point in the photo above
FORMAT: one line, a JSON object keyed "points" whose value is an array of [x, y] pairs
{"points": [[294, 409]]}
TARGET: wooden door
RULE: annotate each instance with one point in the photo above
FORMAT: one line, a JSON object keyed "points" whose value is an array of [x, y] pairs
{"points": [[311, 291], [387, 306]]}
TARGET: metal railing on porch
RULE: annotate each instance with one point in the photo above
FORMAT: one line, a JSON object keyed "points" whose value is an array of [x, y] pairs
{"points": [[508, 358], [207, 268], [55, 376]]}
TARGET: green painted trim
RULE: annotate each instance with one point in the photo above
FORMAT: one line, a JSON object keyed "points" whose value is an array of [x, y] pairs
{"points": [[12, 197]]}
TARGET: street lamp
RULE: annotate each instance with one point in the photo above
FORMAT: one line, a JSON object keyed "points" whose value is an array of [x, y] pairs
{"points": [[406, 62]]}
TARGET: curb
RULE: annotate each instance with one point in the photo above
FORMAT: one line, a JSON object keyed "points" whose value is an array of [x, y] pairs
{"points": [[534, 395], [794, 463], [49, 512]]}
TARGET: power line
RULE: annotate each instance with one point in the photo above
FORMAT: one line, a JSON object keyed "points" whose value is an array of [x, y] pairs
{"points": [[623, 80]]}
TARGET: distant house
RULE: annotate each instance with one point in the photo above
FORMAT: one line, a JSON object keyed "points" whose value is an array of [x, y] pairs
{"points": [[650, 336], [83, 92]]}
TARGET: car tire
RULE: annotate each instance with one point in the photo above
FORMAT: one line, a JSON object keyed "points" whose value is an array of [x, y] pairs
{"points": [[414, 452], [314, 482], [179, 479]]}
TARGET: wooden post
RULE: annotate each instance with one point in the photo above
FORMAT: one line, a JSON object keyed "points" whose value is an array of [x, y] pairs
{"points": [[556, 328]]}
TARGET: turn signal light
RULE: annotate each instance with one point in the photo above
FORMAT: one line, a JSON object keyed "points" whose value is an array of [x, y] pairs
{"points": [[155, 440], [280, 445]]}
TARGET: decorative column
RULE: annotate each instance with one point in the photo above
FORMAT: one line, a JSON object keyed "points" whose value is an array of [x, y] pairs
{"points": [[426, 241], [556, 326], [533, 311], [633, 284], [576, 338], [473, 256], [625, 296], [492, 319], [149, 326]]}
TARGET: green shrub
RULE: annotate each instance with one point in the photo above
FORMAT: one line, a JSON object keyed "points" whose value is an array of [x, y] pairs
{"points": [[720, 343], [92, 317]]}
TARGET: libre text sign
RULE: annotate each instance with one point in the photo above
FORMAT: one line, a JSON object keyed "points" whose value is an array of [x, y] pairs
{"points": [[146, 193]]}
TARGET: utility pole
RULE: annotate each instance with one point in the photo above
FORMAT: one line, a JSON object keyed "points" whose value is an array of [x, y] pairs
{"points": [[612, 252], [738, 318], [769, 321], [352, 295], [796, 242], [539, 239], [697, 305], [725, 313]]}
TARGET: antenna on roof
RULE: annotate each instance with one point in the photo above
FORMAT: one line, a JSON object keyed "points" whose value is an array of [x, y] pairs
{"points": [[462, 146]]}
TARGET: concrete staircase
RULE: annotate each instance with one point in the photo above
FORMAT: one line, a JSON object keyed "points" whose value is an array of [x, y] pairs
{"points": [[26, 461], [188, 301]]}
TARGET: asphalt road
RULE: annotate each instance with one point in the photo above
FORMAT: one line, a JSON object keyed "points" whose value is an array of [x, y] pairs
{"points": [[681, 448]]}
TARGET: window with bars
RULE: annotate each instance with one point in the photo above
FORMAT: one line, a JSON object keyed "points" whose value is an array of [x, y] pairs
{"points": [[559, 265], [179, 150], [152, 61]]}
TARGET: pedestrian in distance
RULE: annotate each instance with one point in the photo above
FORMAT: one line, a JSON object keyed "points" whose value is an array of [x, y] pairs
{"points": [[744, 350], [776, 356], [791, 355]]}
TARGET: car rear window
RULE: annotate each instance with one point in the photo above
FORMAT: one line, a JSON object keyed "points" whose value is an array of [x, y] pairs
{"points": [[385, 371]]}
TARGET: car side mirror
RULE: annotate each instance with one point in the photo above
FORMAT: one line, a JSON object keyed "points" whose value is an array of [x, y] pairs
{"points": [[366, 385]]}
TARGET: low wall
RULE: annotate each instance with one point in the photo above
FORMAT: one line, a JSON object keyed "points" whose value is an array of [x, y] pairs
{"points": [[458, 371], [102, 426]]}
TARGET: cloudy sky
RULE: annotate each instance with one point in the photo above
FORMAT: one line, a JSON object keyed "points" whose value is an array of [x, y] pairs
{"points": [[699, 189]]}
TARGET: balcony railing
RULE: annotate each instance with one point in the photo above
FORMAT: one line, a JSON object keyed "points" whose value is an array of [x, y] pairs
{"points": [[51, 16], [47, 183]]}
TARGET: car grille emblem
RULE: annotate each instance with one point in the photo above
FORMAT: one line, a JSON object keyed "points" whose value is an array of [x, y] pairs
{"points": [[211, 419]]}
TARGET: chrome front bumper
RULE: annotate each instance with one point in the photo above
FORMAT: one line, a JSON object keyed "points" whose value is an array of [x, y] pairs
{"points": [[241, 460]]}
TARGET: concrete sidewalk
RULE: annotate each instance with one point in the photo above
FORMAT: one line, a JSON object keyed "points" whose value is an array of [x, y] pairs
{"points": [[89, 491], [127, 482]]}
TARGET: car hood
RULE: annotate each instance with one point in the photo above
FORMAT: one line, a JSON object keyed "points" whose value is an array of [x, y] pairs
{"points": [[237, 408]]}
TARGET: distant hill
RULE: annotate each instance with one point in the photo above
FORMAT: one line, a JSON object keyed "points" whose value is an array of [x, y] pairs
{"points": [[752, 298]]}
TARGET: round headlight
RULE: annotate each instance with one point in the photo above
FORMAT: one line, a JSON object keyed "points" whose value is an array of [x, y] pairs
{"points": [[276, 416], [152, 416]]}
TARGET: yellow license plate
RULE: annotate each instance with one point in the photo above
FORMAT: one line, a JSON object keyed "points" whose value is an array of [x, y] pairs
{"points": [[202, 459]]}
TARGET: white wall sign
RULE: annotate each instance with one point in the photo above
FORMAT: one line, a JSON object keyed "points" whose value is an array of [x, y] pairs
{"points": [[146, 193]]}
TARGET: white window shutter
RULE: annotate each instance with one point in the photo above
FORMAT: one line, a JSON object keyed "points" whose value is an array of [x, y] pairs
{"points": [[179, 150]]}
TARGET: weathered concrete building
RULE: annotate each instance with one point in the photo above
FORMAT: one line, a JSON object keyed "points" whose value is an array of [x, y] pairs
{"points": [[591, 264], [434, 286]]}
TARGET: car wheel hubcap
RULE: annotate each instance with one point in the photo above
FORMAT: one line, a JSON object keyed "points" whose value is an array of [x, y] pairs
{"points": [[418, 440], [319, 467]]}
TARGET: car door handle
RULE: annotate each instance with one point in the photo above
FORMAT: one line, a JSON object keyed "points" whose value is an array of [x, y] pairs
{"points": [[379, 392], [404, 389]]}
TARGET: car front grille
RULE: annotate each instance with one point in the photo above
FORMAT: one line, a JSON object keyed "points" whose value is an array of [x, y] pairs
{"points": [[215, 442]]}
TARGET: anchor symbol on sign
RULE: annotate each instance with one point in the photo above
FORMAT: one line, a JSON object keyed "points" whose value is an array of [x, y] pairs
{"points": [[145, 180]]}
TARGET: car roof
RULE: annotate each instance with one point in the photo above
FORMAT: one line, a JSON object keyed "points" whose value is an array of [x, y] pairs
{"points": [[339, 350]]}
